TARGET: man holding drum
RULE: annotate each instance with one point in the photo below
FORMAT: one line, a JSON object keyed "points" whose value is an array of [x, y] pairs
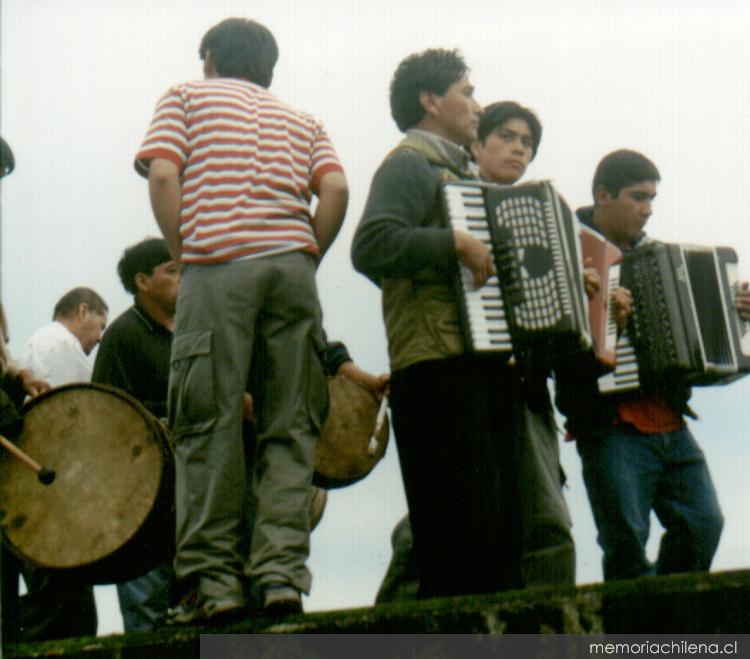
{"points": [[134, 356], [232, 171], [56, 605], [16, 382], [59, 351]]}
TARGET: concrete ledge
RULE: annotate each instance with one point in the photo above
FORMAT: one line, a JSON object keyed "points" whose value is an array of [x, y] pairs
{"points": [[680, 604]]}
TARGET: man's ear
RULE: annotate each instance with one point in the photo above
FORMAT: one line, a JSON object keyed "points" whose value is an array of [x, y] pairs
{"points": [[429, 101], [602, 197], [209, 70], [82, 310], [141, 281]]}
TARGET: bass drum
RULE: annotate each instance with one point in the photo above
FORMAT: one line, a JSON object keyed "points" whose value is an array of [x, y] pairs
{"points": [[109, 513], [344, 453]]}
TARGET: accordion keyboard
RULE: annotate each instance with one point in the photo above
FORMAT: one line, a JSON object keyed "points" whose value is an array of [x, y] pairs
{"points": [[485, 312], [625, 376], [613, 282]]}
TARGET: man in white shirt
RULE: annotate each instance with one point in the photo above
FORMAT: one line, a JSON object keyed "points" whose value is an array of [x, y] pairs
{"points": [[56, 605], [58, 352]]}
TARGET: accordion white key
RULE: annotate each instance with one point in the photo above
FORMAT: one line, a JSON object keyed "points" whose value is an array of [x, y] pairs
{"points": [[535, 306], [684, 323]]}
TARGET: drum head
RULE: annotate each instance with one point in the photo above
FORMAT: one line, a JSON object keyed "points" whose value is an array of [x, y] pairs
{"points": [[108, 458], [344, 454]]}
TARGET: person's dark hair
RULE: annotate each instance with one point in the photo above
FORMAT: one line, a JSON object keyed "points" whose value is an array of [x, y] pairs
{"points": [[497, 114], [433, 70], [141, 257], [67, 305], [7, 162], [241, 48], [621, 169]]}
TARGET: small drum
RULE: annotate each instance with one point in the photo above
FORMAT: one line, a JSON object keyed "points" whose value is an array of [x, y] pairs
{"points": [[109, 513], [343, 454], [318, 502]]}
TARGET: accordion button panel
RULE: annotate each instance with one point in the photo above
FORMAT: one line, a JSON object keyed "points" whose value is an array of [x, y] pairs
{"points": [[527, 219]]}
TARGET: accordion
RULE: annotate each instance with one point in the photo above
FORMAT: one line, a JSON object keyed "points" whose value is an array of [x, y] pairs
{"points": [[684, 323], [535, 306], [606, 258]]}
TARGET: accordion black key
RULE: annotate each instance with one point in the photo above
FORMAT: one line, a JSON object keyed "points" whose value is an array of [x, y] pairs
{"points": [[535, 306], [684, 323]]}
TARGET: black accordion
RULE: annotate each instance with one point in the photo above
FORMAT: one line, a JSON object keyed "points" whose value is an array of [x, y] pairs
{"points": [[535, 306], [684, 323]]}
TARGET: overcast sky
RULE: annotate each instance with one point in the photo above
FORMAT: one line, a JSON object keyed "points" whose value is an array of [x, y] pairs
{"points": [[80, 78]]}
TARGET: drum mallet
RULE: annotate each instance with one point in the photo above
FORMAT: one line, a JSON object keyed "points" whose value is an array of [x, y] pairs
{"points": [[45, 476], [373, 445]]}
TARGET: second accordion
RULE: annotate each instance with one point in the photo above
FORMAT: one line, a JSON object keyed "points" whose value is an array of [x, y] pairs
{"points": [[684, 323], [535, 306]]}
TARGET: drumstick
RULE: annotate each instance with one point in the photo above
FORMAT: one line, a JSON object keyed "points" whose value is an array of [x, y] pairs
{"points": [[373, 445], [44, 475]]}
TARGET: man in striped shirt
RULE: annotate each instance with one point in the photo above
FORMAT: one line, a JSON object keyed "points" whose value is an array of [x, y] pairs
{"points": [[232, 171]]}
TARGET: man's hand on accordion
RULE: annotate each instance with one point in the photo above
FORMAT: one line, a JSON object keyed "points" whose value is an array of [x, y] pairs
{"points": [[743, 300], [475, 255], [622, 306]]}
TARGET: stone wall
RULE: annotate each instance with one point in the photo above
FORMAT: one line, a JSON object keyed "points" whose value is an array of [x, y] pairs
{"points": [[680, 604]]}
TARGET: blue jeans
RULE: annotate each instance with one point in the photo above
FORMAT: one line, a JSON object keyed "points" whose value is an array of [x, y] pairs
{"points": [[144, 601], [628, 474]]}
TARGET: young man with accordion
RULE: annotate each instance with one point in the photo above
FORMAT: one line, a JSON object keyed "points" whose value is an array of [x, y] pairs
{"points": [[637, 452]]}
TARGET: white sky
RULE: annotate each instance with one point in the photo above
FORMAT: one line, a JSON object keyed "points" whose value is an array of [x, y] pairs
{"points": [[79, 80]]}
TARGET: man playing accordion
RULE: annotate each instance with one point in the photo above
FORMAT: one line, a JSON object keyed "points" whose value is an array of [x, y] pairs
{"points": [[637, 452], [508, 140]]}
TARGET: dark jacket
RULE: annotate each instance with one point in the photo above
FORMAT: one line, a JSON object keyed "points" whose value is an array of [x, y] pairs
{"points": [[402, 244], [134, 356], [588, 413]]}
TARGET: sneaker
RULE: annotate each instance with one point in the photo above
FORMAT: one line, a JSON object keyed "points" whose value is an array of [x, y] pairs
{"points": [[195, 609], [280, 600]]}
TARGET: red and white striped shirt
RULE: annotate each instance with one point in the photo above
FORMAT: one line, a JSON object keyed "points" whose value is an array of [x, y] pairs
{"points": [[248, 163]]}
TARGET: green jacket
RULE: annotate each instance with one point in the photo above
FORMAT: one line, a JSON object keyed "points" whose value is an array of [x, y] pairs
{"points": [[403, 245]]}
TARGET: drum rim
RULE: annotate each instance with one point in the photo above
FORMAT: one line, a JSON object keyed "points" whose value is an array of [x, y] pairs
{"points": [[330, 482], [108, 388]]}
